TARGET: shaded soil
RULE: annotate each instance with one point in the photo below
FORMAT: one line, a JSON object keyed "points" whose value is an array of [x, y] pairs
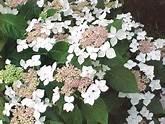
{"points": [[151, 13]]}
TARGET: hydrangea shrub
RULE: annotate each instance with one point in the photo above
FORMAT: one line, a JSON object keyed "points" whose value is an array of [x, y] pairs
{"points": [[78, 62]]}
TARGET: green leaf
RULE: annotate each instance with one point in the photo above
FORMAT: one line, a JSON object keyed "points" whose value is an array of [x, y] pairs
{"points": [[122, 79], [117, 24], [2, 87], [122, 48], [59, 52], [30, 10], [53, 122], [74, 117], [156, 107], [52, 117], [112, 101], [95, 114], [2, 42], [12, 26], [2, 102], [47, 13]]}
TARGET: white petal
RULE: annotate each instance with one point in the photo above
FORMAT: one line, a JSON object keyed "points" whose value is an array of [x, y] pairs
{"points": [[101, 53], [121, 34], [80, 59], [113, 30], [110, 53], [93, 56], [36, 115], [113, 41], [68, 107], [69, 99]]}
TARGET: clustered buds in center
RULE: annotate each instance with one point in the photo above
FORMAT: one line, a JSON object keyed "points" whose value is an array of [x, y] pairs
{"points": [[94, 36], [72, 80], [22, 115], [146, 46]]}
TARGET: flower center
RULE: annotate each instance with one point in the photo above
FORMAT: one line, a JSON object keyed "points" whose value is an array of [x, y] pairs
{"points": [[15, 3], [146, 46], [94, 36], [141, 80], [72, 80], [22, 115]]}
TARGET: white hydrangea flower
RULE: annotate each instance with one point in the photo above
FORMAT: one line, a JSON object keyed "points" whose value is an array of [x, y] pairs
{"points": [[88, 71], [93, 2], [148, 70], [154, 55], [40, 107], [36, 115], [40, 3], [69, 58], [56, 95], [28, 102], [162, 120], [134, 120], [36, 103], [38, 94], [82, 55], [116, 35], [10, 92], [141, 35], [34, 61], [101, 15], [40, 120], [133, 111], [148, 97], [46, 73], [89, 96], [92, 52], [101, 84], [8, 10], [31, 24], [1, 122], [145, 113], [135, 98], [7, 109], [88, 99], [130, 64], [106, 50], [133, 117], [47, 43], [159, 43], [21, 45], [155, 85], [134, 45], [68, 106], [8, 62], [141, 57]]}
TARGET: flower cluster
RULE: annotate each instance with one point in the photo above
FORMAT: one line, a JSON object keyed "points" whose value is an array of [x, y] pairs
{"points": [[75, 46]]}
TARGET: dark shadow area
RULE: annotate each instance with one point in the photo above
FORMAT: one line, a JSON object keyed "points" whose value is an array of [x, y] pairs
{"points": [[151, 13]]}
